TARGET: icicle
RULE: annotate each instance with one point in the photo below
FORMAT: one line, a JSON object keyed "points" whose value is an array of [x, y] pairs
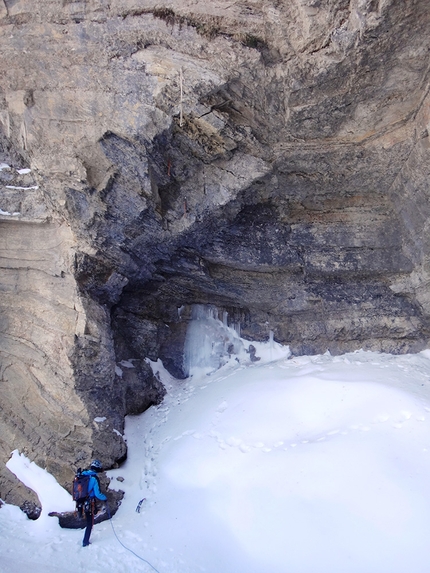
{"points": [[236, 327], [181, 96], [271, 338]]}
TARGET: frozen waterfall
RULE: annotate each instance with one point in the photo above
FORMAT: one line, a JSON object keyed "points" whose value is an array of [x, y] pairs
{"points": [[210, 342]]}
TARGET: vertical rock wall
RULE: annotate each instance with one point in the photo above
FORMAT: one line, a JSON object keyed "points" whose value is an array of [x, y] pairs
{"points": [[41, 413], [411, 195]]}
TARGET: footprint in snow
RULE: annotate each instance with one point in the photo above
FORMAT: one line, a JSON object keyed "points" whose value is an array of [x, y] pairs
{"points": [[382, 417], [222, 407], [244, 448], [186, 433], [234, 441]]}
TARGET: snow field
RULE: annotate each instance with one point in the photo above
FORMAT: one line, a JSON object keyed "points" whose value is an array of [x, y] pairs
{"points": [[305, 465]]}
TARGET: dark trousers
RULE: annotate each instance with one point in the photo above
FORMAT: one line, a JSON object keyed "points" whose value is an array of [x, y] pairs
{"points": [[89, 516]]}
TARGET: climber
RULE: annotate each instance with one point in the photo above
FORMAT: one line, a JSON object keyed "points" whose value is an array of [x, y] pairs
{"points": [[93, 493]]}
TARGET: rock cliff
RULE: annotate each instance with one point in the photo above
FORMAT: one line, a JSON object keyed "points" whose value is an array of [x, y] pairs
{"points": [[267, 157]]}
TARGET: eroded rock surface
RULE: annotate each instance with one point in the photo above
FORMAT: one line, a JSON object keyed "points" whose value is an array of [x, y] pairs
{"points": [[269, 158]]}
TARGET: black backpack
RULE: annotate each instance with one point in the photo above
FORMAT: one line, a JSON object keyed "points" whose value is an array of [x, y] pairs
{"points": [[80, 490]]}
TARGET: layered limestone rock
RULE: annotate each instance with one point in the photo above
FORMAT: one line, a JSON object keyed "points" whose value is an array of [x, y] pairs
{"points": [[266, 157], [41, 413]]}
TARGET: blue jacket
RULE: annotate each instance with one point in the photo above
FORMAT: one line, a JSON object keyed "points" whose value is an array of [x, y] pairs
{"points": [[93, 486]]}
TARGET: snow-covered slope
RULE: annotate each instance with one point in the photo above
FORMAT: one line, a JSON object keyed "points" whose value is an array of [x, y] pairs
{"points": [[299, 465]]}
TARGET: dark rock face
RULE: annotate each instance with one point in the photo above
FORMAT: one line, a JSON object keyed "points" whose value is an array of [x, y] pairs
{"points": [[270, 159]]}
